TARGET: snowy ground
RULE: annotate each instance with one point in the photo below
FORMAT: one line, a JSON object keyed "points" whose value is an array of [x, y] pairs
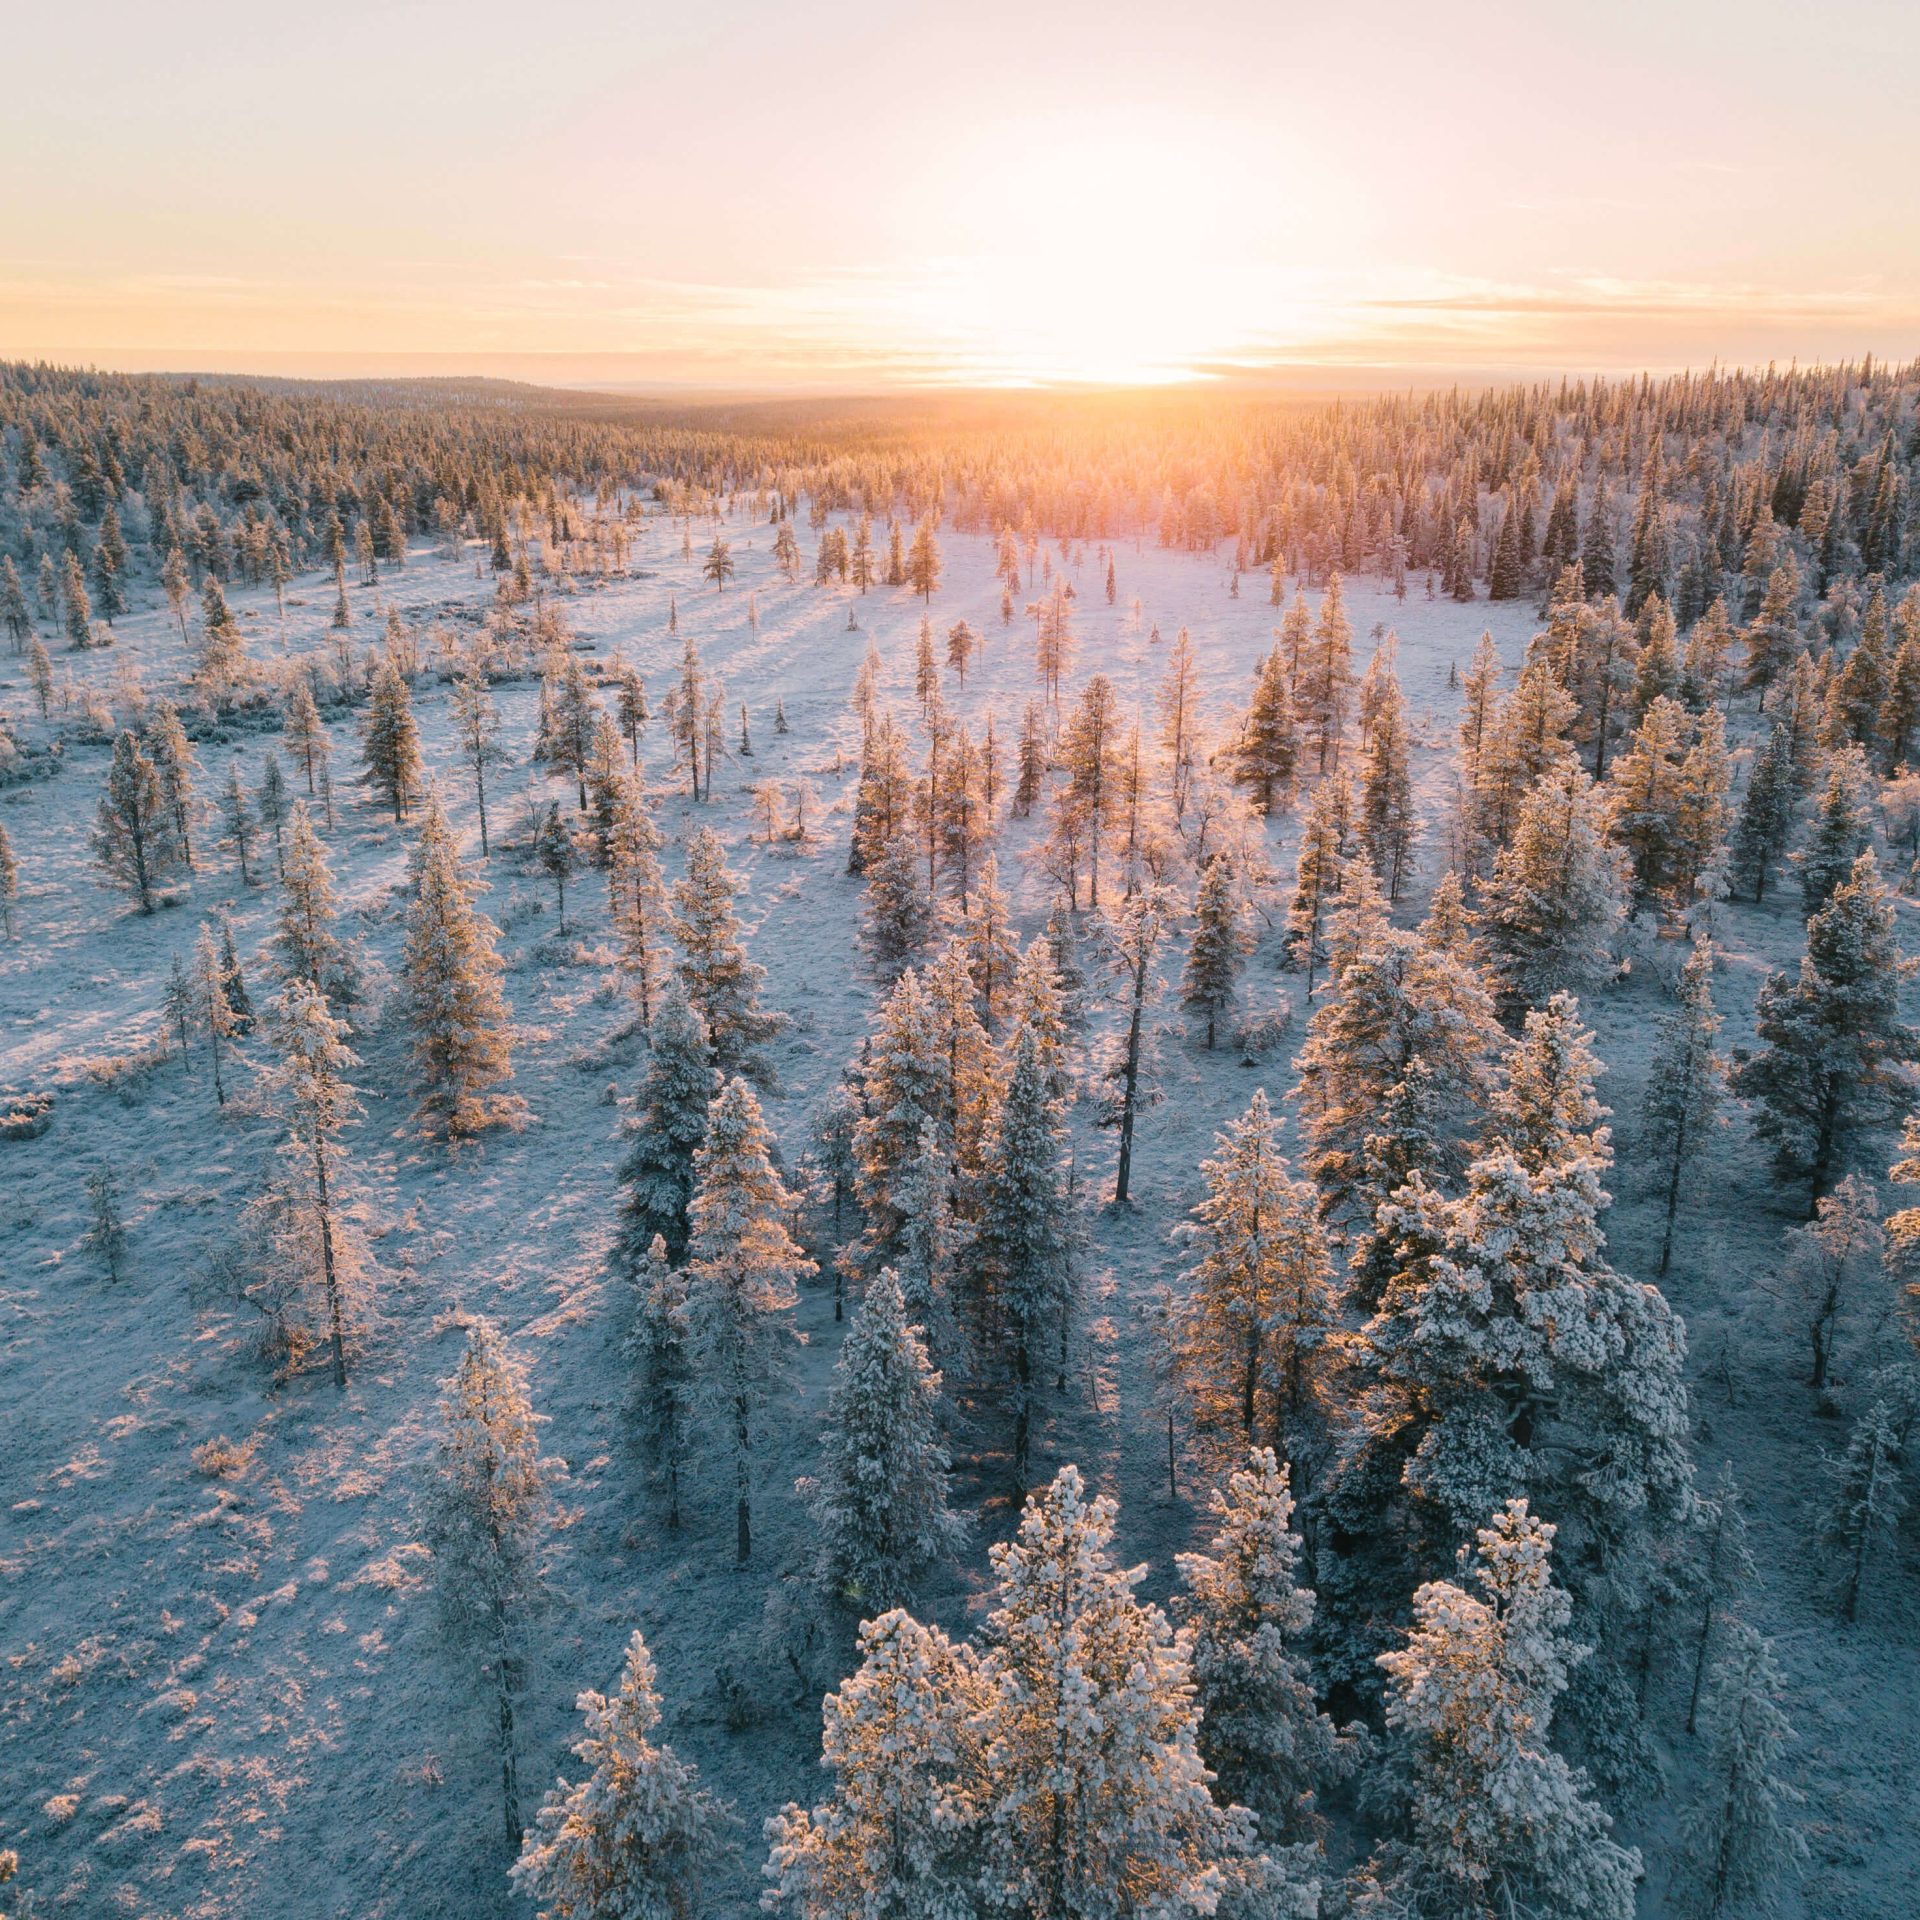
{"points": [[226, 1696]]}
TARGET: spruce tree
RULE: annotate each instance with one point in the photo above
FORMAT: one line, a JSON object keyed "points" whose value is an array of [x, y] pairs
{"points": [[635, 1839], [741, 1274], [881, 1499], [663, 1376], [1323, 693], [1261, 1306], [637, 894], [307, 944], [902, 1739], [669, 1126], [1262, 1733], [898, 914], [993, 952], [270, 808], [1685, 1083], [904, 1091], [1724, 1573], [721, 982], [1096, 1799], [174, 763], [1866, 1502], [309, 1092], [1212, 969], [1766, 816], [390, 742], [1835, 1053], [9, 883], [1387, 819], [134, 840], [459, 1019], [1842, 830], [1325, 843], [237, 827], [306, 734], [1495, 1821], [477, 727], [487, 1513], [1268, 748], [1134, 937], [1023, 1251], [553, 849], [1740, 1837]]}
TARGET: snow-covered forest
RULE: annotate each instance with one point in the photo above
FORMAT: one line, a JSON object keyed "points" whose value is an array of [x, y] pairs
{"points": [[1029, 1156]]}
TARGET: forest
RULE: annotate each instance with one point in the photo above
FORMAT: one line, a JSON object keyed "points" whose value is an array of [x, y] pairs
{"points": [[1022, 1155]]}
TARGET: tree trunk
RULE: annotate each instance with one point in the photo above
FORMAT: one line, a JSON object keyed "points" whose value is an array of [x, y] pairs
{"points": [[743, 1513], [326, 1261]]}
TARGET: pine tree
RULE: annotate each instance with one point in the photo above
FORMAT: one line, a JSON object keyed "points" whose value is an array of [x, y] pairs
{"points": [[1774, 638], [174, 763], [1766, 816], [1089, 801], [881, 1503], [1096, 1802], [222, 668], [1261, 1304], [213, 1006], [904, 1090], [133, 837], [1212, 969], [390, 743], [741, 1275], [1835, 1051], [1740, 1837], [1685, 1082], [487, 1514], [1023, 1254], [902, 1740], [1867, 1499], [1643, 801], [993, 953], [1262, 1733], [79, 606], [462, 1038], [637, 1837], [1323, 691], [1496, 1822], [1555, 898], [721, 982], [669, 1129], [237, 823], [309, 1092], [40, 673], [923, 561], [718, 566]]}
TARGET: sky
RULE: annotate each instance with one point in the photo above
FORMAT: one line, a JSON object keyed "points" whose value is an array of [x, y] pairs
{"points": [[735, 195]]}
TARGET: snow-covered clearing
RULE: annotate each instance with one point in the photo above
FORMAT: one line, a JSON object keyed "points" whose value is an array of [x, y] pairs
{"points": [[225, 1693]]}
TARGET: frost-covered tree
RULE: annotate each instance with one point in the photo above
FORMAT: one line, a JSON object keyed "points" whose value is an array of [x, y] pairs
{"points": [[1260, 1307], [477, 728], [390, 740], [1842, 829], [898, 913], [306, 734], [221, 668], [1556, 896], [1724, 1573], [663, 1374], [308, 947], [1212, 971], [134, 840], [1400, 1014], [237, 826], [1262, 1733], [903, 1092], [1826, 1261], [742, 1270], [1023, 1252], [1835, 1053], [174, 764], [1267, 752], [1095, 1803], [554, 850], [1685, 1082], [669, 1126], [901, 1739], [721, 982], [1326, 841], [487, 1514], [106, 1229], [1134, 934], [1740, 1837], [637, 894], [993, 951], [458, 1017], [9, 883], [1494, 1822], [213, 1004], [635, 1839], [1323, 690], [1388, 823], [270, 808], [308, 1091], [1867, 1500], [881, 1500]]}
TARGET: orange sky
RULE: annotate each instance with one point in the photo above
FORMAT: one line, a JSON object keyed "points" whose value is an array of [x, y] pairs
{"points": [[847, 195]]}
